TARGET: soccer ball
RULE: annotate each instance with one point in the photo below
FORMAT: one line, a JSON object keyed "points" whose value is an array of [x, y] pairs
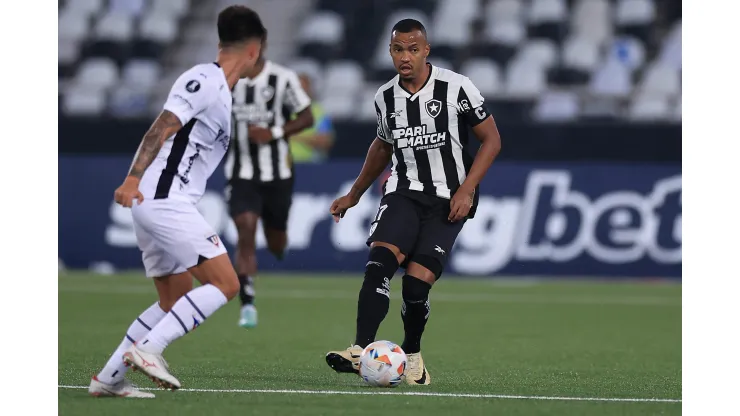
{"points": [[382, 364]]}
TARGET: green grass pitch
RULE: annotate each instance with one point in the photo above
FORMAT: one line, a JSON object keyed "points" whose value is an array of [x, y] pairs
{"points": [[554, 342]]}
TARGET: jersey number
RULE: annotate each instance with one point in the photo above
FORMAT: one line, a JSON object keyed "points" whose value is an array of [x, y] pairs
{"points": [[377, 218]]}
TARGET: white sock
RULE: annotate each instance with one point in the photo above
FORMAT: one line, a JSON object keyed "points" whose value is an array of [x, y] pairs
{"points": [[187, 314], [114, 370]]}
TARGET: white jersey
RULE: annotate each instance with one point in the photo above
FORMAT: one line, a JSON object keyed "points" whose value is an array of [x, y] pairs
{"points": [[201, 99], [267, 100]]}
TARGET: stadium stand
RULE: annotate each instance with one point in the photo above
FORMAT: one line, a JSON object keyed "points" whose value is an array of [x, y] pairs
{"points": [[534, 60]]}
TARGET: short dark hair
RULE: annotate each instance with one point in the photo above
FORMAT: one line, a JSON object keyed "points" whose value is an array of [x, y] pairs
{"points": [[409, 25], [238, 24]]}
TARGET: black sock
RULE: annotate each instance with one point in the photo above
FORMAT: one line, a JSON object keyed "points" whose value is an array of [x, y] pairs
{"points": [[246, 289], [414, 312], [374, 299]]}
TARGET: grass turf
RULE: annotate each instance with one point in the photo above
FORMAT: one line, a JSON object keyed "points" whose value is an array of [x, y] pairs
{"points": [[565, 339]]}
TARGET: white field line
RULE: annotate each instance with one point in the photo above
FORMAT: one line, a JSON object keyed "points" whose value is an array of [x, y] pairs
{"points": [[585, 299], [411, 393]]}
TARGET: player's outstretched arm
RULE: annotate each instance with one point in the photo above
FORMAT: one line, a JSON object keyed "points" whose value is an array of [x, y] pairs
{"points": [[378, 157], [163, 127], [487, 132]]}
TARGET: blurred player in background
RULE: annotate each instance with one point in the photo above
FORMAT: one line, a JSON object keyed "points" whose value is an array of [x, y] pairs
{"points": [[167, 178], [313, 144], [423, 118], [259, 168]]}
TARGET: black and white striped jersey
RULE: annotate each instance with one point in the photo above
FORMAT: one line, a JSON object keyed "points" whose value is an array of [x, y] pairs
{"points": [[267, 100], [429, 131]]}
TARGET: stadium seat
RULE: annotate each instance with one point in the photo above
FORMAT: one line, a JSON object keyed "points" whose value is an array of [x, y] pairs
{"points": [[126, 102], [172, 8], [441, 63], [500, 11], [676, 116], [340, 107], [612, 79], [592, 19], [141, 74], [312, 69], [629, 51], [451, 25], [114, 26], [580, 53], [660, 80], [69, 51], [546, 19], [155, 31], [345, 76], [322, 27], [670, 53], [556, 106], [525, 81], [634, 17], [130, 7], [98, 73], [505, 37], [649, 108], [85, 8], [73, 26], [82, 101], [367, 104], [541, 51], [484, 74]]}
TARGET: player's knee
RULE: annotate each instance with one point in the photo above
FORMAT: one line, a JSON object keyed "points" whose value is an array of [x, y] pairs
{"points": [[426, 268], [276, 242], [400, 257], [414, 289], [381, 262]]}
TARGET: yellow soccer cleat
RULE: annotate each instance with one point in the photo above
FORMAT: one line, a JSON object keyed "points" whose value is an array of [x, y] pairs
{"points": [[345, 361]]}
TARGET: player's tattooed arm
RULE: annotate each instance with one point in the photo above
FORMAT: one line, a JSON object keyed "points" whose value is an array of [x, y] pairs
{"points": [[163, 127]]}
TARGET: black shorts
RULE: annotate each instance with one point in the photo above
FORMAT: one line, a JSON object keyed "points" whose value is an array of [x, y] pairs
{"points": [[270, 200], [417, 224]]}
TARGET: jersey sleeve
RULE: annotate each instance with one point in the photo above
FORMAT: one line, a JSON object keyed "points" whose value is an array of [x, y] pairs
{"points": [[295, 97], [382, 130], [470, 104], [191, 94]]}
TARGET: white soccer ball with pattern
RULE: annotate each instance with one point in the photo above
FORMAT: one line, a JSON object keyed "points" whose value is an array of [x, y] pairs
{"points": [[382, 364]]}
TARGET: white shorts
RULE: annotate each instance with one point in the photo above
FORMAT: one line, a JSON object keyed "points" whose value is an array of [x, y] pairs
{"points": [[173, 236]]}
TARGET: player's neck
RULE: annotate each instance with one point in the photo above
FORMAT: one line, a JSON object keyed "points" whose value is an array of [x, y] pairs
{"points": [[414, 85], [258, 67], [232, 67]]}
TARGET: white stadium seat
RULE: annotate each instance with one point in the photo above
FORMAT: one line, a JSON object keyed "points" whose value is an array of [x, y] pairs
{"points": [[172, 8], [510, 33], [592, 19], [322, 27], [98, 73], [82, 101], [661, 80], [126, 102], [612, 79], [649, 108], [86, 8], [342, 106], [580, 53], [72, 26], [141, 74], [69, 51], [115, 27], [525, 80], [345, 76], [546, 11], [366, 110], [635, 12], [544, 52], [556, 106], [313, 70], [504, 11], [159, 28], [671, 51], [485, 74], [677, 110], [130, 7]]}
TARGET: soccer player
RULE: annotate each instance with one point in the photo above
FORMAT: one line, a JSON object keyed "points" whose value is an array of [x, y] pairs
{"points": [[259, 168], [168, 176], [423, 116]]}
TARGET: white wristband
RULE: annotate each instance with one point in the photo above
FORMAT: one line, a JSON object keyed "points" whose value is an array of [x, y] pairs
{"points": [[277, 132]]}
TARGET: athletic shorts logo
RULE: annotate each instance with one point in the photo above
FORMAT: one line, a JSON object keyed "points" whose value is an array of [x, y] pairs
{"points": [[214, 239], [433, 107], [192, 86]]}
